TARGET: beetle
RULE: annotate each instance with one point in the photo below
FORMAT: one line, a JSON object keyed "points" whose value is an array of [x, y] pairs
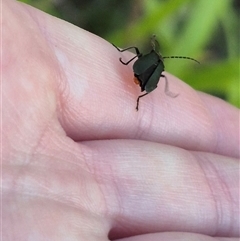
{"points": [[148, 68]]}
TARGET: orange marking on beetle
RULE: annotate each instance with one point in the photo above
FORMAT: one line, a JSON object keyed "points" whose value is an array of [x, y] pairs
{"points": [[136, 81]]}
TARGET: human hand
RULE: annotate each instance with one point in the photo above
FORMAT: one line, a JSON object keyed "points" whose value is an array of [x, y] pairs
{"points": [[79, 163]]}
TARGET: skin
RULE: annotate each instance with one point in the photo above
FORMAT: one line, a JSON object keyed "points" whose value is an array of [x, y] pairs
{"points": [[78, 161]]}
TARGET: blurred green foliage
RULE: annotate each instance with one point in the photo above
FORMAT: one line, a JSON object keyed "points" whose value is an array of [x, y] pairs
{"points": [[205, 30]]}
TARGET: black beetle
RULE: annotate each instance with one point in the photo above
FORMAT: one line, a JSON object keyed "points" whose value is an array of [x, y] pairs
{"points": [[148, 68]]}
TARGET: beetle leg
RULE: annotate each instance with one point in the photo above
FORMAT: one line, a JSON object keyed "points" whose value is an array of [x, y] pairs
{"points": [[140, 96], [126, 63], [166, 90], [138, 54], [123, 50]]}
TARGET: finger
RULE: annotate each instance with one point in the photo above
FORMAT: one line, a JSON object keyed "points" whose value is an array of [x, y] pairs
{"points": [[177, 236], [155, 188], [97, 97], [226, 125], [100, 89]]}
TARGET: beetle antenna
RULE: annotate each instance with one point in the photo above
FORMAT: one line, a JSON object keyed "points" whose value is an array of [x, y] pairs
{"points": [[181, 57]]}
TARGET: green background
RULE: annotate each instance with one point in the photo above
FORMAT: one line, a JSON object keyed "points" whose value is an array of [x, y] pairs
{"points": [[207, 30]]}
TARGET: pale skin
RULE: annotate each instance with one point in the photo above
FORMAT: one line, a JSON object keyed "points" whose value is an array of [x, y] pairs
{"points": [[78, 161]]}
